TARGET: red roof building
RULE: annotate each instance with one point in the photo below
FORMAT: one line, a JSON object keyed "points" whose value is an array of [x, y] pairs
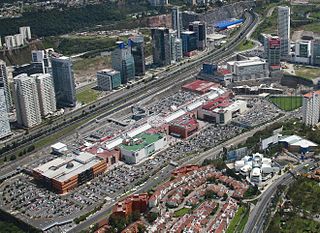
{"points": [[200, 86], [184, 126]]}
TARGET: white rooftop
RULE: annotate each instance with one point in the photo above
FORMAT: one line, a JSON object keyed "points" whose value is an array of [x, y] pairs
{"points": [[58, 146]]}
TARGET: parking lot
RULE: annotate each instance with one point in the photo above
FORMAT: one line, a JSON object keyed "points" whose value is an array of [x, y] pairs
{"points": [[34, 202]]}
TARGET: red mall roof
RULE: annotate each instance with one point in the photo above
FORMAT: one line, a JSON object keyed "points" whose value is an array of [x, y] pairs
{"points": [[200, 86], [218, 102]]}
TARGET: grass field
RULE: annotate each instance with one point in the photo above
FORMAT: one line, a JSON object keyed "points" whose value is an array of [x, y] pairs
{"points": [[245, 45], [239, 221], [87, 95], [308, 72], [287, 103], [181, 212]]}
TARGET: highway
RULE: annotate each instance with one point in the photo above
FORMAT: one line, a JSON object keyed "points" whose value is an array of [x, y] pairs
{"points": [[257, 216], [105, 104], [165, 172]]}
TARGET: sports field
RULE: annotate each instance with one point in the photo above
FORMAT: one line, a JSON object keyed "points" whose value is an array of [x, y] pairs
{"points": [[287, 103]]}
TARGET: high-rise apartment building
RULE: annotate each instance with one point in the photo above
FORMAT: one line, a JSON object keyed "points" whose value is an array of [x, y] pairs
{"points": [[178, 48], [123, 61], [311, 108], [177, 20], [200, 29], [161, 46], [10, 42], [4, 119], [108, 79], [5, 85], [137, 46], [63, 79], [284, 30], [25, 32], [40, 58], [47, 98], [27, 101], [273, 51]]}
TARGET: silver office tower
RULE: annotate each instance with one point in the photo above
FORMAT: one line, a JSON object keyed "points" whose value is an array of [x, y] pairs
{"points": [[177, 21], [5, 85], [63, 80], [284, 30]]}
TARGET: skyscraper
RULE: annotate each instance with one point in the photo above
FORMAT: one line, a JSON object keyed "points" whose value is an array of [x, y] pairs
{"points": [[172, 39], [4, 119], [200, 29], [178, 48], [123, 61], [161, 46], [63, 80], [47, 98], [176, 20], [189, 41], [284, 29], [311, 108], [27, 101], [273, 51], [5, 85], [137, 50]]}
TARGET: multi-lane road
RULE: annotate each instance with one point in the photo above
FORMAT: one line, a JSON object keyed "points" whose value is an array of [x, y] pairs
{"points": [[106, 104], [257, 216]]}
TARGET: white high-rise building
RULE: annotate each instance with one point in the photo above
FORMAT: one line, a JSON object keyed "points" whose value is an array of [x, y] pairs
{"points": [[25, 32], [284, 30], [18, 38], [5, 84], [178, 48], [4, 119], [177, 20], [10, 42], [47, 98], [27, 101], [311, 108]]}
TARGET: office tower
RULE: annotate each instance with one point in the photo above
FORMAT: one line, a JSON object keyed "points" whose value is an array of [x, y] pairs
{"points": [[10, 42], [108, 79], [63, 79], [273, 51], [122, 61], [27, 101], [177, 20], [4, 119], [137, 50], [47, 98], [189, 41], [284, 30], [161, 46], [178, 48], [0, 43], [310, 108], [315, 60], [303, 51], [200, 29], [5, 84], [25, 32]]}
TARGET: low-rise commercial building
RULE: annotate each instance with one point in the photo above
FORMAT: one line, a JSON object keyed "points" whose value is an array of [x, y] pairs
{"points": [[108, 79], [134, 150], [252, 68], [200, 86], [65, 173], [184, 126]]}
